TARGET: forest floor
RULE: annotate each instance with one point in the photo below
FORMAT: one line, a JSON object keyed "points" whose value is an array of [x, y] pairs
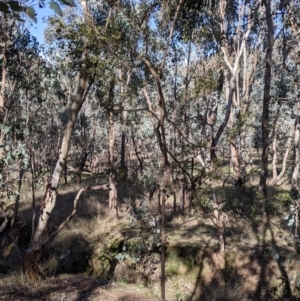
{"points": [[100, 257], [68, 287]]}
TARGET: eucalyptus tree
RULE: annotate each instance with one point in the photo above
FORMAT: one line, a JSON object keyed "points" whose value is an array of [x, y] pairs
{"points": [[27, 83], [154, 24], [292, 9], [37, 242], [281, 112], [65, 32], [232, 32], [266, 98], [16, 9], [115, 45], [24, 73]]}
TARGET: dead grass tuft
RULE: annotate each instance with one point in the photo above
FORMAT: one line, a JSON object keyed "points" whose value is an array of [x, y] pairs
{"points": [[229, 292]]}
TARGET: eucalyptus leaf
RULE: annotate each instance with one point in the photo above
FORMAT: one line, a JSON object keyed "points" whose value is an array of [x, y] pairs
{"points": [[286, 217], [276, 256], [5, 128], [29, 10], [68, 2], [291, 222], [56, 8]]}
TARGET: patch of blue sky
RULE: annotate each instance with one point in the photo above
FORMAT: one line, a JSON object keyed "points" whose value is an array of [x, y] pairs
{"points": [[37, 29]]}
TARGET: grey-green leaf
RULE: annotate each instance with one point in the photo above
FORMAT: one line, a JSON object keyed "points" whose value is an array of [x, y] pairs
{"points": [[56, 8], [68, 2], [286, 217], [291, 222], [31, 13]]}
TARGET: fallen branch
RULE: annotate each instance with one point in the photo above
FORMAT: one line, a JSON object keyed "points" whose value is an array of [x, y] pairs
{"points": [[73, 213]]}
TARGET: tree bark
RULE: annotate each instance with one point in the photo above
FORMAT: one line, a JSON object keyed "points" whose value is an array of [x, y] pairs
{"points": [[276, 177], [165, 183], [297, 146], [266, 102], [113, 192]]}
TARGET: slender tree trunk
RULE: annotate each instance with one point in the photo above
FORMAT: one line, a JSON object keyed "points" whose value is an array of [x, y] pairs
{"points": [[159, 200], [182, 199], [266, 102], [174, 203], [66, 173], [137, 153], [222, 127], [2, 106], [238, 181], [2, 88], [276, 179], [166, 180], [274, 149], [113, 192], [297, 146], [161, 137], [233, 149], [274, 144], [36, 245], [123, 142], [84, 156], [295, 29]]}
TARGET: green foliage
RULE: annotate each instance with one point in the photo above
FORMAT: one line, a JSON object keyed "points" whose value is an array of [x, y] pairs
{"points": [[206, 84], [15, 7], [31, 13], [11, 6], [56, 8]]}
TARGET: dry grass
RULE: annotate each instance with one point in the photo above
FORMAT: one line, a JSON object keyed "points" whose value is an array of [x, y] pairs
{"points": [[90, 242]]}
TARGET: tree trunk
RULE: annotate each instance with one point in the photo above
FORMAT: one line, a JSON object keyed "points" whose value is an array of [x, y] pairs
{"points": [[84, 156], [174, 203], [274, 144], [266, 102], [274, 160], [166, 180], [297, 146], [136, 151], [48, 203], [238, 181], [113, 192], [3, 84], [182, 199], [277, 178], [123, 141]]}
